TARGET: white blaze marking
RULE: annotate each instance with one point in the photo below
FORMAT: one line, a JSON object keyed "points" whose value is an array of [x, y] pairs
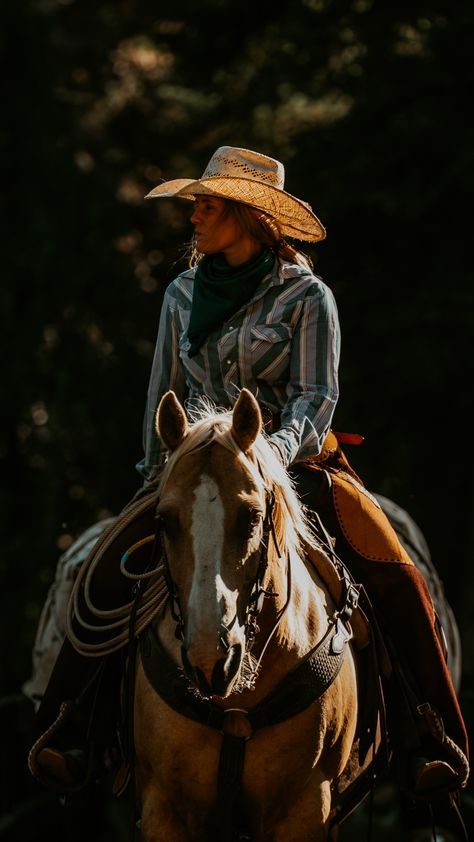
{"points": [[210, 601], [207, 525]]}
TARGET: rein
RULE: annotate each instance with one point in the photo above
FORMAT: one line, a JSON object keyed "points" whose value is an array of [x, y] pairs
{"points": [[295, 692], [257, 595]]}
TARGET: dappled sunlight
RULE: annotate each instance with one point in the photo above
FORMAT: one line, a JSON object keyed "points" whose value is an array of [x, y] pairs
{"points": [[144, 262], [130, 191], [97, 340], [301, 113], [134, 62], [144, 58], [413, 39]]}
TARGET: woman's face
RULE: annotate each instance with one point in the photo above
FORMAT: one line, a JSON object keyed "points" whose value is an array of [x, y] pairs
{"points": [[217, 231]]}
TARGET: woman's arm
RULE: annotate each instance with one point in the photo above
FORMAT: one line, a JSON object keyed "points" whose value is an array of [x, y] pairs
{"points": [[166, 373], [313, 386]]}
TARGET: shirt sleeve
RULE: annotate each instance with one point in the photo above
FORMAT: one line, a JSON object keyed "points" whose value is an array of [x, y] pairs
{"points": [[166, 373], [313, 390]]}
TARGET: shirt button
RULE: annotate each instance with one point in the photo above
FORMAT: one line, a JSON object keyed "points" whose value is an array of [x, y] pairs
{"points": [[228, 362]]}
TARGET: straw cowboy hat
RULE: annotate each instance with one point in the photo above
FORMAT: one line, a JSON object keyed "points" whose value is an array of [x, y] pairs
{"points": [[252, 179]]}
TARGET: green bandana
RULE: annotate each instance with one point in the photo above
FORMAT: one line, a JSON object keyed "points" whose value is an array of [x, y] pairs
{"points": [[220, 290]]}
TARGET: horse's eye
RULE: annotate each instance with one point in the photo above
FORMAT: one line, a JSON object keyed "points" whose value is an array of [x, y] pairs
{"points": [[248, 520], [168, 522], [256, 518]]}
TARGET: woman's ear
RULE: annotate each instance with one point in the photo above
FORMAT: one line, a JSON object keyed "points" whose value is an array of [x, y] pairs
{"points": [[171, 422]]}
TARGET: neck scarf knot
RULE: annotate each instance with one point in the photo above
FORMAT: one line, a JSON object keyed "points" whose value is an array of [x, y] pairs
{"points": [[220, 290]]}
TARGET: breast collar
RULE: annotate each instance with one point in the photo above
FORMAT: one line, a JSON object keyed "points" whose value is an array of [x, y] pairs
{"points": [[296, 691]]}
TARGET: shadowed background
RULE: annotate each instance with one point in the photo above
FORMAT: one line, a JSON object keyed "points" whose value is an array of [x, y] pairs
{"points": [[367, 104]]}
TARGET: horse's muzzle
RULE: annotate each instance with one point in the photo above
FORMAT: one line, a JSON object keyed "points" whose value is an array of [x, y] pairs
{"points": [[223, 676]]}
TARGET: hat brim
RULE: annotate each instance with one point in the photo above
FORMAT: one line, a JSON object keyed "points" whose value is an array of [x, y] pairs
{"points": [[296, 218]]}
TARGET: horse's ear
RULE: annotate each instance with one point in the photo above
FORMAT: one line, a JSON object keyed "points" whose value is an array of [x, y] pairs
{"points": [[171, 422], [246, 420]]}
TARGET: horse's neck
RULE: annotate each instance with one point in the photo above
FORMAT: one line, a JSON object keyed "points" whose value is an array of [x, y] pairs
{"points": [[301, 622]]}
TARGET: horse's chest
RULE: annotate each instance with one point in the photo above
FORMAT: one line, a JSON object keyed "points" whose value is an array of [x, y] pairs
{"points": [[184, 755]]}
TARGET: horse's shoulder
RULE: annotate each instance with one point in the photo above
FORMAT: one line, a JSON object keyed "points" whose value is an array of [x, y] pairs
{"points": [[337, 581]]}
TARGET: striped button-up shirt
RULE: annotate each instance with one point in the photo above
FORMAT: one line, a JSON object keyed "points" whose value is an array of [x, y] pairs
{"points": [[283, 345]]}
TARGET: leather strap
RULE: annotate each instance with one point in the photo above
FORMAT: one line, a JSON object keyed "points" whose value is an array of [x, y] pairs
{"points": [[299, 689]]}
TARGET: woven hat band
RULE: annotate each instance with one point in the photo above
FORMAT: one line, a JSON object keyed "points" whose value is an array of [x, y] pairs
{"points": [[232, 162]]}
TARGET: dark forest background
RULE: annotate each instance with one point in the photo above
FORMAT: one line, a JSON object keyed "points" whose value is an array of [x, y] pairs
{"points": [[369, 106]]}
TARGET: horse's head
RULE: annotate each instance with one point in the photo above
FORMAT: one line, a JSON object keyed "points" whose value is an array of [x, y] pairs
{"points": [[213, 510]]}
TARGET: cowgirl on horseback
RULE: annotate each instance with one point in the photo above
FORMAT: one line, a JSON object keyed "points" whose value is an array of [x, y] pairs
{"points": [[250, 312]]}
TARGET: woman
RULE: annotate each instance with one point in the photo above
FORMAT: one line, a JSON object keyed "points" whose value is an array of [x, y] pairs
{"points": [[283, 342], [249, 312]]}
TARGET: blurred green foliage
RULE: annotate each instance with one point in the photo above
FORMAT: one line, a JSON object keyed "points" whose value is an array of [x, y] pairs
{"points": [[368, 105]]}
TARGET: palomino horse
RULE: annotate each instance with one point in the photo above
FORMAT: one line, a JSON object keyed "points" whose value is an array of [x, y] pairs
{"points": [[222, 495], [217, 758]]}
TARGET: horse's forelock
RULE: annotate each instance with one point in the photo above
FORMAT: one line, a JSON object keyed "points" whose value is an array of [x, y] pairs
{"points": [[206, 425]]}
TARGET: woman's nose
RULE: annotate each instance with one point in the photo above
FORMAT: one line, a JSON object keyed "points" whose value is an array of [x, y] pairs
{"points": [[195, 216]]}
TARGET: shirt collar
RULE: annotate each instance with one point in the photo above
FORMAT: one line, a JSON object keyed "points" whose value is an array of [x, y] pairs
{"points": [[282, 270]]}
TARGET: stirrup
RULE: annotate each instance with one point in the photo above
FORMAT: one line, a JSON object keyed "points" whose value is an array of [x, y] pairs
{"points": [[432, 777], [64, 769], [454, 756]]}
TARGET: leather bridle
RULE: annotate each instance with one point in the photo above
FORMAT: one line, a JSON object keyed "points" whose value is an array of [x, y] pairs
{"points": [[257, 594]]}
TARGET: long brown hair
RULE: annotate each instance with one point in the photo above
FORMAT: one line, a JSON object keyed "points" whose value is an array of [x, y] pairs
{"points": [[261, 227]]}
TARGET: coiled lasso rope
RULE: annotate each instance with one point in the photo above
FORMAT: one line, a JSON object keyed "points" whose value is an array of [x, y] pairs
{"points": [[112, 629]]}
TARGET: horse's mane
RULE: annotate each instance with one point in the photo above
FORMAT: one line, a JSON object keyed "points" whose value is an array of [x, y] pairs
{"points": [[292, 525]]}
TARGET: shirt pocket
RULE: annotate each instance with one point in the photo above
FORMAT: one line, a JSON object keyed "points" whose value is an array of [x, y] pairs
{"points": [[270, 347]]}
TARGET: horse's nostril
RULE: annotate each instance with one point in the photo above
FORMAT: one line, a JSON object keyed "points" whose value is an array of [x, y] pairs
{"points": [[223, 674], [202, 683], [234, 657], [195, 674], [225, 670]]}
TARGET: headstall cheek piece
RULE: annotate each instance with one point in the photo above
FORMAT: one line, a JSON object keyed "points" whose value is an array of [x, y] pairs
{"points": [[174, 603], [258, 592]]}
